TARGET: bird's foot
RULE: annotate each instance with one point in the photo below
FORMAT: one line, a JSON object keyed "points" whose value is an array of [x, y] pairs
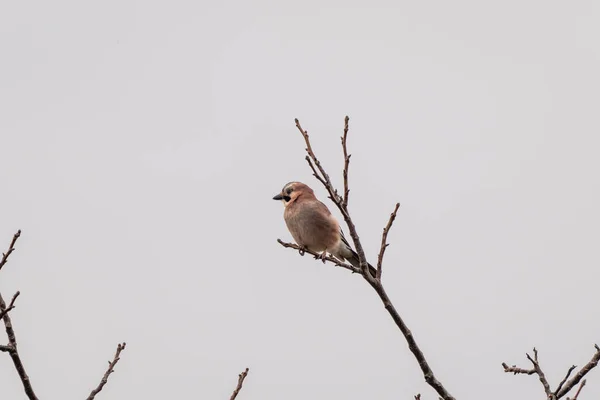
{"points": [[302, 251], [322, 256]]}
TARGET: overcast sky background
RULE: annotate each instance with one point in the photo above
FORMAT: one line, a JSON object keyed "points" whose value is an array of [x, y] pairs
{"points": [[142, 142]]}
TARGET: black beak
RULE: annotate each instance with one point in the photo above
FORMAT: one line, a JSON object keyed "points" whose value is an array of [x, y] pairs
{"points": [[278, 197]]}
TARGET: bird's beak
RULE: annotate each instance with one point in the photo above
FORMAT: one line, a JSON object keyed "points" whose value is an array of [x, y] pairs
{"points": [[278, 197]]}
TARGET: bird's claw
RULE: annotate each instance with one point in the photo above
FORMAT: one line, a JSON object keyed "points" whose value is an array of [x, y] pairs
{"points": [[321, 256]]}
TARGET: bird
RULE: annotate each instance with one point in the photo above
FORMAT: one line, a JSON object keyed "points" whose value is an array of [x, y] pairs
{"points": [[313, 226]]}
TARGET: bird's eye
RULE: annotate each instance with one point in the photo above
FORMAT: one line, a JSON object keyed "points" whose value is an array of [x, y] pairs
{"points": [[289, 190]]}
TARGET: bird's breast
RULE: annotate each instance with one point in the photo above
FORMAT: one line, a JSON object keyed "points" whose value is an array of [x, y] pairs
{"points": [[312, 226]]}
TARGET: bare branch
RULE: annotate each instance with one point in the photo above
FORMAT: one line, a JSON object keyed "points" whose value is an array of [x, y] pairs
{"points": [[241, 378], [110, 370], [346, 161], [10, 306], [384, 245], [331, 259], [315, 173], [560, 385], [580, 374], [516, 370], [538, 370], [375, 283], [11, 248], [412, 344], [11, 348], [566, 384], [6, 348], [578, 390], [418, 396], [324, 179]]}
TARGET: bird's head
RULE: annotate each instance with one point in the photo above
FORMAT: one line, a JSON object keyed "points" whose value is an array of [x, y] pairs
{"points": [[291, 191]]}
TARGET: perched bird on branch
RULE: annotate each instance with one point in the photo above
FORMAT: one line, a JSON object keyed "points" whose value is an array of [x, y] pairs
{"points": [[313, 226]]}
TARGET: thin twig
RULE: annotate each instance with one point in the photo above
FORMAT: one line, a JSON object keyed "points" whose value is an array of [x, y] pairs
{"points": [[516, 370], [580, 374], [324, 179], [110, 370], [315, 173], [11, 248], [560, 385], [10, 306], [346, 161], [538, 370], [418, 396], [11, 347], [332, 260], [241, 378], [578, 390], [384, 245]]}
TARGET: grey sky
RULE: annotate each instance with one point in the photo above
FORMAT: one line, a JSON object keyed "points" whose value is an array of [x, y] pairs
{"points": [[142, 143]]}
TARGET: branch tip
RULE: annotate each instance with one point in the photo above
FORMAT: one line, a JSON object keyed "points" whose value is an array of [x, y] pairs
{"points": [[384, 243], [11, 248], [109, 370], [241, 378]]}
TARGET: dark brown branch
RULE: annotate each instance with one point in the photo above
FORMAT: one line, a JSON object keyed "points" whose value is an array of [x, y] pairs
{"points": [[418, 396], [324, 179], [332, 260], [110, 370], [516, 370], [578, 390], [540, 373], [11, 248], [566, 384], [11, 347], [580, 374], [384, 245], [315, 173], [346, 161], [241, 378], [412, 344], [322, 176], [12, 350], [560, 385], [10, 306]]}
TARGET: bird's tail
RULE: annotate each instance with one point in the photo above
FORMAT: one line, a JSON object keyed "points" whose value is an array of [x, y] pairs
{"points": [[355, 261]]}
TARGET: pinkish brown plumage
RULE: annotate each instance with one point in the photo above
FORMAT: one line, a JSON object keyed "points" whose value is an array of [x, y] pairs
{"points": [[312, 225]]}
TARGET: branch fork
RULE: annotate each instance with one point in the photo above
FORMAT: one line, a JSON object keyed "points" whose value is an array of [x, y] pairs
{"points": [[566, 384], [375, 282], [12, 349]]}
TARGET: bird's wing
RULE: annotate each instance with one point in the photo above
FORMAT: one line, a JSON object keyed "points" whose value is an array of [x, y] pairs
{"points": [[344, 239]]}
